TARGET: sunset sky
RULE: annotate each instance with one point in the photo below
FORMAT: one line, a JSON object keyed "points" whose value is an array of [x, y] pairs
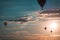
{"points": [[31, 29], [24, 7]]}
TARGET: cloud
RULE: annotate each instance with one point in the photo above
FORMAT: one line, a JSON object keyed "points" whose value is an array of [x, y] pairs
{"points": [[15, 35], [25, 35], [22, 32], [32, 30], [34, 37]]}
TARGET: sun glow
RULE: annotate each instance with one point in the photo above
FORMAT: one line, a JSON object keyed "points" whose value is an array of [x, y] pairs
{"points": [[53, 25]]}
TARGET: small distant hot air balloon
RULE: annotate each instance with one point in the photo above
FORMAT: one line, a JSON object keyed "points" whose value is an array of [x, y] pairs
{"points": [[51, 31], [41, 3], [45, 28], [5, 23]]}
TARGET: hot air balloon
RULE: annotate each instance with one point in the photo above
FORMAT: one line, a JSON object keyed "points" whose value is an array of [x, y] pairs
{"points": [[41, 3], [51, 31], [5, 23], [45, 28]]}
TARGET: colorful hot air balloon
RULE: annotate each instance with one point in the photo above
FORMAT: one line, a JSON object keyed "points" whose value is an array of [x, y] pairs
{"points": [[41, 3]]}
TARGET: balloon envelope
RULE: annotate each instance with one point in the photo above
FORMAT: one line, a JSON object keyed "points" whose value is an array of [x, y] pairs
{"points": [[45, 28], [41, 3], [5, 23], [51, 31]]}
